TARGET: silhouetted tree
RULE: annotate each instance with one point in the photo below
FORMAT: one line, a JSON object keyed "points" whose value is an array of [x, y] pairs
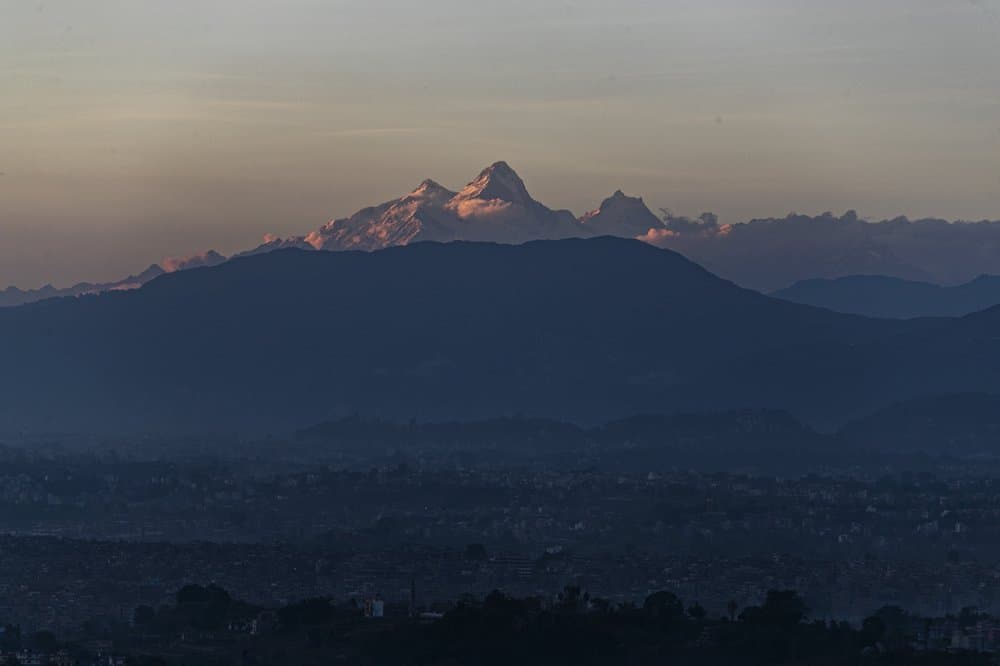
{"points": [[663, 605], [872, 630], [969, 616], [898, 626], [196, 594], [781, 608]]}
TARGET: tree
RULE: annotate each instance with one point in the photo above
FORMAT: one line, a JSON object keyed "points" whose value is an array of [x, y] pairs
{"points": [[696, 611], [196, 594], [969, 616], [203, 607], [898, 626], [781, 608], [785, 607], [663, 605], [872, 629]]}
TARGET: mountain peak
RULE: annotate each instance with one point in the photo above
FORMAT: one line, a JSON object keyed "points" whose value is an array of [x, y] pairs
{"points": [[497, 181], [621, 215], [499, 167], [619, 198], [431, 189]]}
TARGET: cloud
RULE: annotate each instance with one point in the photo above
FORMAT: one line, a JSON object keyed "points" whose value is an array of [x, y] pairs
{"points": [[485, 208], [658, 236], [316, 239], [769, 254], [207, 258]]}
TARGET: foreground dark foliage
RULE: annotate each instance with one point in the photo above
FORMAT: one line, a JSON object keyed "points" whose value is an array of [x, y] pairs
{"points": [[206, 626], [579, 630]]}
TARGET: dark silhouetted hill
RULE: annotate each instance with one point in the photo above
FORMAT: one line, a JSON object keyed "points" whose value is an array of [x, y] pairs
{"points": [[576, 330], [961, 424], [12, 296], [880, 296]]}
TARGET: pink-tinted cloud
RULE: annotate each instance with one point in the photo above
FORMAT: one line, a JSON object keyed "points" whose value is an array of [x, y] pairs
{"points": [[658, 236], [208, 258], [482, 208]]}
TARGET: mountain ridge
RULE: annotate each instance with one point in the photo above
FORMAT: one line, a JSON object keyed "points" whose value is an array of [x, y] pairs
{"points": [[884, 296], [578, 329], [12, 296], [954, 424], [765, 254]]}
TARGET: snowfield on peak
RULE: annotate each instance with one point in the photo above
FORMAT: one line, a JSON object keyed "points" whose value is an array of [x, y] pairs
{"points": [[495, 206]]}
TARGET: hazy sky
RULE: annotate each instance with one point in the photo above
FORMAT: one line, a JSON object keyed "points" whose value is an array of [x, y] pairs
{"points": [[135, 129]]}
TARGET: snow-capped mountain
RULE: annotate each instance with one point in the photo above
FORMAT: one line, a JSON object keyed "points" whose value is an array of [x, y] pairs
{"points": [[621, 215], [495, 206]]}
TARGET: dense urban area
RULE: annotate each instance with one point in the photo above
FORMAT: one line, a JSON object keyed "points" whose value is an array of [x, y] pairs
{"points": [[97, 536]]}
